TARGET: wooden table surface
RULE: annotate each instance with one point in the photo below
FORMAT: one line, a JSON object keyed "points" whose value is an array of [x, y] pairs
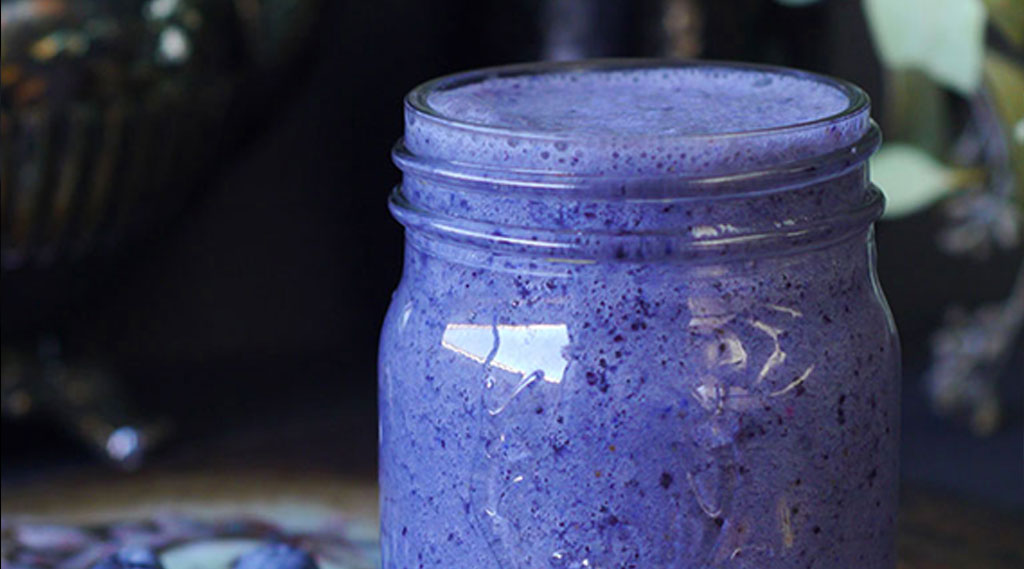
{"points": [[943, 533]]}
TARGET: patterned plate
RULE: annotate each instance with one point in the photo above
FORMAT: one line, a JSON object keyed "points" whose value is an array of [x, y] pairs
{"points": [[194, 522]]}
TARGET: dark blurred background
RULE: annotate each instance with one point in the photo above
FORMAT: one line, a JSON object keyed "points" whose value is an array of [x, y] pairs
{"points": [[256, 308]]}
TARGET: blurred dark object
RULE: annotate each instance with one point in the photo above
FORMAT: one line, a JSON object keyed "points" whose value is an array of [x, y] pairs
{"points": [[575, 29], [86, 399], [111, 112], [578, 29]]}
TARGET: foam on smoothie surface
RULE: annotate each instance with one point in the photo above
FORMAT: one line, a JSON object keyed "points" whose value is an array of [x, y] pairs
{"points": [[585, 120]]}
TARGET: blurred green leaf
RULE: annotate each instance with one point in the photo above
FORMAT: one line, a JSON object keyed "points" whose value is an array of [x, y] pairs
{"points": [[1008, 16], [944, 38], [1005, 81], [910, 178], [916, 110]]}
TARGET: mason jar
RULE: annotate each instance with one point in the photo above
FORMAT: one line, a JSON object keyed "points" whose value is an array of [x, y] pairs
{"points": [[639, 324]]}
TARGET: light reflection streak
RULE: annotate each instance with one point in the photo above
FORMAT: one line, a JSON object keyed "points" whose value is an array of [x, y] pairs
{"points": [[525, 349], [796, 383]]}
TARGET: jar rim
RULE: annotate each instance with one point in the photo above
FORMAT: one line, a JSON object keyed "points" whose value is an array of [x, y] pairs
{"points": [[417, 100], [857, 210], [798, 184], [683, 186]]}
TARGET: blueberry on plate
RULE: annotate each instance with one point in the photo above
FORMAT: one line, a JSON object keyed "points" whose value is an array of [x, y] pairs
{"points": [[276, 556], [131, 558]]}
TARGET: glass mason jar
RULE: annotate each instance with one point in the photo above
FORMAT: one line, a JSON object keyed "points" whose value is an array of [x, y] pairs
{"points": [[638, 325]]}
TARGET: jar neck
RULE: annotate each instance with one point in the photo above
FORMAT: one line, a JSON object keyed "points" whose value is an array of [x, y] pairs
{"points": [[805, 203]]}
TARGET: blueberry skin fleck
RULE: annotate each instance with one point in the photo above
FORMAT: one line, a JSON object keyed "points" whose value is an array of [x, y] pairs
{"points": [[276, 556], [131, 558]]}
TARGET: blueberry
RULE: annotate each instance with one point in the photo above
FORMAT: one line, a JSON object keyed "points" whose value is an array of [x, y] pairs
{"points": [[276, 556], [131, 558]]}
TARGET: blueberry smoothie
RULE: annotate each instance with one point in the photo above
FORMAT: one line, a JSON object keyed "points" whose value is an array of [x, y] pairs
{"points": [[638, 325]]}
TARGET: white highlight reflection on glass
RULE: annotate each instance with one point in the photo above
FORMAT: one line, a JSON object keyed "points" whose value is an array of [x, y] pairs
{"points": [[517, 348]]}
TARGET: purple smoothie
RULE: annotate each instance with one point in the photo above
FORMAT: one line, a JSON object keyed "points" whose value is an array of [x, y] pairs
{"points": [[638, 325]]}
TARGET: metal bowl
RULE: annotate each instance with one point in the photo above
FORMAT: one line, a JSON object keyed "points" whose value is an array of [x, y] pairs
{"points": [[109, 112], [111, 107]]}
